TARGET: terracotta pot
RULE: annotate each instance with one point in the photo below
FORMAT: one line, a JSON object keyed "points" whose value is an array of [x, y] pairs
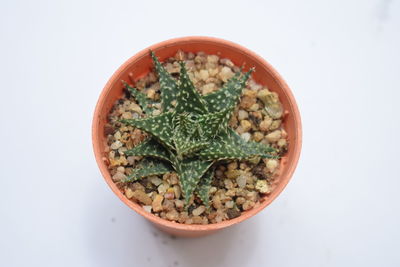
{"points": [[140, 64]]}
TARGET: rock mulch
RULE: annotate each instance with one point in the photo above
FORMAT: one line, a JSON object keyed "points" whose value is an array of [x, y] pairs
{"points": [[238, 185]]}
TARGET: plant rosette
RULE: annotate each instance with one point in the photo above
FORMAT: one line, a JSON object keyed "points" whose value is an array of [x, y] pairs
{"points": [[193, 142]]}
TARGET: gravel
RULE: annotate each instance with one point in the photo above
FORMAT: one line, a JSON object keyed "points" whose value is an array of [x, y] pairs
{"points": [[237, 185]]}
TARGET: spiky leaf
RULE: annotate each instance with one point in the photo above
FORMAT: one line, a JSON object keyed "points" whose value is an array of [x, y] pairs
{"points": [[144, 102], [149, 167], [230, 145], [160, 127], [190, 171], [188, 99], [168, 85], [149, 148], [204, 186]]}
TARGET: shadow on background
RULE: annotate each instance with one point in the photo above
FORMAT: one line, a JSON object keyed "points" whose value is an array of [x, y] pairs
{"points": [[114, 231]]}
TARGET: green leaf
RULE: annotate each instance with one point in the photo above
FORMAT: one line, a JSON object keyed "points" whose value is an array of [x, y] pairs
{"points": [[190, 172], [149, 148], [230, 145], [212, 123], [141, 99], [168, 85], [160, 127], [204, 186], [188, 99], [229, 95], [149, 167]]}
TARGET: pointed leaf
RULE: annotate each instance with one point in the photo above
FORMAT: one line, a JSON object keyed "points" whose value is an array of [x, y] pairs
{"points": [[149, 167], [230, 145], [229, 94], [141, 99], [168, 85], [190, 172], [160, 127], [203, 188], [149, 148], [188, 99]]}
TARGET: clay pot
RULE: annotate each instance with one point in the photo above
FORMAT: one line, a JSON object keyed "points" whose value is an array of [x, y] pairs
{"points": [[140, 64]]}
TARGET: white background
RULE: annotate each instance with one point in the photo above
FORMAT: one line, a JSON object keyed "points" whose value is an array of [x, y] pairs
{"points": [[342, 61]]}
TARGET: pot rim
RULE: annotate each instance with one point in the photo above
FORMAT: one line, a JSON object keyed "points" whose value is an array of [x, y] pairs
{"points": [[195, 227]]}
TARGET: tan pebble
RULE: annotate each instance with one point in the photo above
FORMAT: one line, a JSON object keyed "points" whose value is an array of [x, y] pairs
{"points": [[254, 160], [246, 102], [212, 58], [225, 74], [179, 204], [275, 125], [198, 211], [128, 193], [203, 74], [240, 200], [284, 133], [155, 180], [121, 169], [232, 174], [246, 125], [117, 144], [229, 204], [208, 88], [117, 135], [265, 124], [245, 136], [172, 215], [254, 107], [177, 191], [157, 203], [228, 183], [162, 188], [242, 114], [258, 136], [183, 216], [252, 196], [142, 197], [272, 164], [227, 62], [173, 178], [241, 180], [151, 93], [137, 186], [167, 204], [231, 192], [263, 95], [248, 205], [216, 202], [263, 187], [118, 177], [212, 190], [127, 115], [170, 194], [232, 166], [249, 93], [147, 208], [282, 142], [274, 136], [197, 220], [240, 129]]}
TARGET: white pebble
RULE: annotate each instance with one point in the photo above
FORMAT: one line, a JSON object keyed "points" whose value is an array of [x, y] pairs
{"points": [[198, 211], [272, 164], [147, 208], [245, 136], [117, 144], [242, 114], [241, 180]]}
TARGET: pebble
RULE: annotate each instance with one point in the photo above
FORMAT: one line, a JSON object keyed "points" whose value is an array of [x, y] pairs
{"points": [[228, 183], [233, 213], [216, 202], [232, 166], [274, 136], [272, 164], [179, 204], [162, 188], [197, 220], [198, 211], [118, 177], [275, 125], [248, 205], [229, 204], [177, 191], [258, 136], [265, 124], [157, 203], [262, 186], [242, 114], [240, 200], [172, 215], [263, 95], [142, 197], [170, 194], [147, 208], [128, 193], [117, 144], [247, 101], [225, 74], [282, 142], [245, 136], [232, 174], [241, 180], [246, 125], [155, 180]]}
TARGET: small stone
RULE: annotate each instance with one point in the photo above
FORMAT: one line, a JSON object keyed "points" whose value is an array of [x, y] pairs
{"points": [[241, 180], [248, 205], [208, 88], [128, 193], [228, 183], [274, 136], [252, 196], [245, 136], [216, 202], [246, 125], [272, 164], [142, 197], [254, 160], [265, 124], [118, 177], [227, 62], [198, 211], [212, 190], [147, 208], [167, 205], [263, 94], [212, 59], [231, 192], [172, 215], [162, 188], [155, 180], [170, 194], [247, 101], [197, 220], [127, 115], [137, 186], [225, 74], [232, 174], [282, 143], [173, 179], [233, 213], [179, 204], [263, 187], [249, 93], [121, 169], [229, 204], [275, 125], [183, 216], [151, 93], [254, 107], [240, 200], [242, 114], [177, 191], [157, 203], [117, 144], [258, 136], [117, 135], [204, 74], [232, 166]]}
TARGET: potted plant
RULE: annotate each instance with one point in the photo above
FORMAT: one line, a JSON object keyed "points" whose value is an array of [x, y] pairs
{"points": [[190, 137]]}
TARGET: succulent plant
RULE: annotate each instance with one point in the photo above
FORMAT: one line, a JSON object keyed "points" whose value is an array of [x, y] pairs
{"points": [[191, 134]]}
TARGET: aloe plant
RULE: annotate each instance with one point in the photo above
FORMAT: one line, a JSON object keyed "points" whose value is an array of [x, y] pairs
{"points": [[191, 134]]}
